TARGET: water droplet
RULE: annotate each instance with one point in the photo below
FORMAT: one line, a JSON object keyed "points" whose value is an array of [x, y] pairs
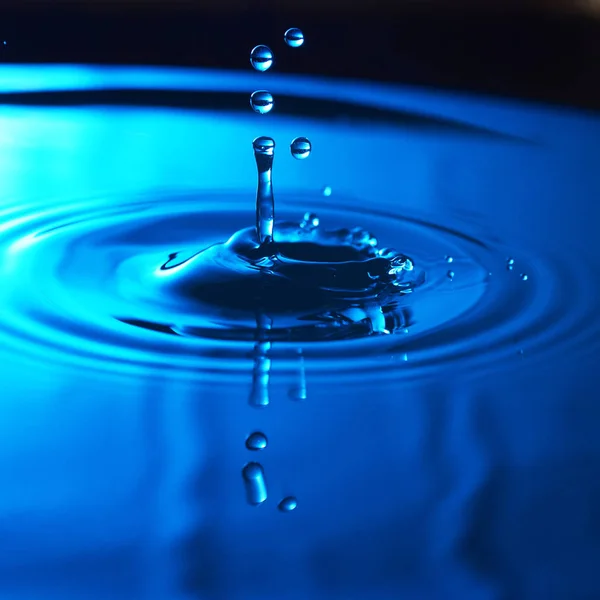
{"points": [[510, 263], [301, 148], [405, 357], [449, 259], [254, 482], [450, 274], [256, 441], [261, 101], [288, 504], [294, 37], [310, 221], [261, 58], [327, 191], [524, 276]]}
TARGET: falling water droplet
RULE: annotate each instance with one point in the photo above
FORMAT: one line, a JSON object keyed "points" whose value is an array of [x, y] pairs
{"points": [[524, 276], [510, 263], [261, 58], [254, 482], [327, 191], [301, 148], [256, 441], [288, 504], [294, 37], [450, 274], [449, 259], [261, 101]]}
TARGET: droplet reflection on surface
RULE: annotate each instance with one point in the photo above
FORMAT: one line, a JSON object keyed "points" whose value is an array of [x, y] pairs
{"points": [[294, 37], [288, 504], [261, 101], [256, 441], [261, 58], [300, 148], [254, 482]]}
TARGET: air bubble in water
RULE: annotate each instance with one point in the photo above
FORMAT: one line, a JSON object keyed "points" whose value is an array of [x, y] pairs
{"points": [[327, 191], [300, 148], [524, 276], [294, 37], [254, 482], [288, 504], [261, 101], [256, 441], [261, 58], [450, 274]]}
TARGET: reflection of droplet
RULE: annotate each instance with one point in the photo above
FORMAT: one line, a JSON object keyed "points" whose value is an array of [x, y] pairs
{"points": [[449, 259], [524, 276], [298, 392], [301, 148], [261, 101], [256, 441], [261, 58], [294, 37], [288, 504], [327, 191], [450, 274], [254, 482]]}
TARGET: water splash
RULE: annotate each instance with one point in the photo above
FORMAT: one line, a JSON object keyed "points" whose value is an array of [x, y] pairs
{"points": [[264, 151]]}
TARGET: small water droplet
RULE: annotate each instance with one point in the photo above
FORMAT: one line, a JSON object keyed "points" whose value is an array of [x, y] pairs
{"points": [[261, 58], [450, 274], [310, 221], [524, 276], [301, 148], [510, 263], [327, 191], [405, 330], [254, 482], [256, 441], [294, 37], [288, 504], [261, 101], [449, 259]]}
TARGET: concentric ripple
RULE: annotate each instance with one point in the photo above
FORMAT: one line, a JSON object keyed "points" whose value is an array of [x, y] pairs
{"points": [[74, 287]]}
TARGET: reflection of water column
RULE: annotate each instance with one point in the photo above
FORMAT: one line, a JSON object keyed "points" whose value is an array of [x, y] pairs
{"points": [[259, 396]]}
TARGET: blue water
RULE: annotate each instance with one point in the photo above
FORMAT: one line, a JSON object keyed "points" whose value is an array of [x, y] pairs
{"points": [[455, 457]]}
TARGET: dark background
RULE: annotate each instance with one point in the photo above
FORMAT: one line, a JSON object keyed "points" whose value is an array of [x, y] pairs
{"points": [[544, 50]]}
